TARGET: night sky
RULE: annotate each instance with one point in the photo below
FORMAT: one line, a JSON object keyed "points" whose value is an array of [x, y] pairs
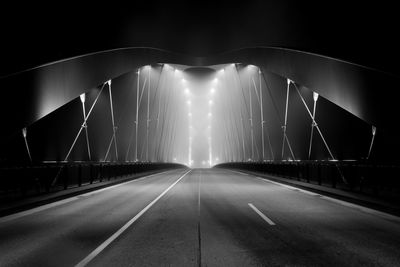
{"points": [[34, 33]]}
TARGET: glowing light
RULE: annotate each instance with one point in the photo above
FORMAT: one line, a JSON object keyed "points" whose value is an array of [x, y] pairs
{"points": [[216, 158], [315, 96], [209, 114], [147, 67], [210, 102], [288, 81], [189, 102], [24, 132], [183, 80], [215, 80], [109, 82], [212, 90], [221, 71], [190, 114], [187, 91], [373, 130], [177, 71], [82, 97]]}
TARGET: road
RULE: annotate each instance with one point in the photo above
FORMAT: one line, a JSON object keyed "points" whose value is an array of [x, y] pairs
{"points": [[201, 217]]}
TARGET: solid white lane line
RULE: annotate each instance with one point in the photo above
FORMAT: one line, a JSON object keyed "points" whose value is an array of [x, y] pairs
{"points": [[289, 187], [124, 183], [34, 210], [67, 200], [340, 202], [337, 201], [100, 248], [364, 209], [284, 185], [268, 220]]}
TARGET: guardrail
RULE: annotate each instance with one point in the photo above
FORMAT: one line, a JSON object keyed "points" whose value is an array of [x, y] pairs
{"points": [[33, 180], [374, 179]]}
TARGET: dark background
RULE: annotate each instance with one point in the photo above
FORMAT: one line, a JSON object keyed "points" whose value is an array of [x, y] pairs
{"points": [[35, 33]]}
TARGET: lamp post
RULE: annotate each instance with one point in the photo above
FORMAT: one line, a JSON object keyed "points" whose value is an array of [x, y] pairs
{"points": [[372, 141], [24, 133], [285, 122], [114, 136], [137, 116], [83, 99], [148, 116], [315, 98], [251, 123], [262, 117]]}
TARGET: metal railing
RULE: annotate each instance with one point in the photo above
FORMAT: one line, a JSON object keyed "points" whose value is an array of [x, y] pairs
{"points": [[373, 179], [25, 181]]}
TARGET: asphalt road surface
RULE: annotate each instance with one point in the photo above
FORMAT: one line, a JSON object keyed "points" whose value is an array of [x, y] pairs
{"points": [[201, 217]]}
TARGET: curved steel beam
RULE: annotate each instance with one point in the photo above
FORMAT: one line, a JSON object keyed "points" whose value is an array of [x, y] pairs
{"points": [[35, 93]]}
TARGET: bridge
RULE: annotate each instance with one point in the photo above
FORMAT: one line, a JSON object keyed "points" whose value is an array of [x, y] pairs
{"points": [[256, 156]]}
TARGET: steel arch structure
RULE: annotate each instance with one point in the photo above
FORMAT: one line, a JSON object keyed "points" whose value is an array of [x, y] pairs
{"points": [[36, 92]]}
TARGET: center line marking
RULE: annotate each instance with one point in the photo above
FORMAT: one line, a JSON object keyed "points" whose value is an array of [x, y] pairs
{"points": [[268, 220], [100, 248]]}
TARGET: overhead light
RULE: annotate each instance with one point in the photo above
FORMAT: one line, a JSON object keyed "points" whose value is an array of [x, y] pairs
{"points": [[82, 97], [187, 91], [212, 90], [288, 81], [109, 82], [373, 130], [315, 96]]}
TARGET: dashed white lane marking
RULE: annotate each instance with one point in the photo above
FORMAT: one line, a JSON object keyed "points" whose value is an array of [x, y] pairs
{"points": [[100, 248], [67, 200], [262, 215], [381, 214]]}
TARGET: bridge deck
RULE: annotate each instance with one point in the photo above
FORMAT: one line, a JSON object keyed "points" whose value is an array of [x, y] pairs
{"points": [[207, 217]]}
